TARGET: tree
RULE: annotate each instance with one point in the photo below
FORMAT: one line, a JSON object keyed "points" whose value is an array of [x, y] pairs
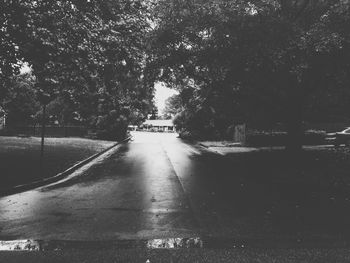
{"points": [[91, 51], [64, 110], [242, 58], [154, 113], [19, 101], [173, 105]]}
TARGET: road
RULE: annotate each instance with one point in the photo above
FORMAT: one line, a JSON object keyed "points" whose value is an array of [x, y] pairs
{"points": [[156, 186]]}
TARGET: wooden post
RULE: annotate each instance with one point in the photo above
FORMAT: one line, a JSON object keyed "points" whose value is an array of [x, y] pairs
{"points": [[43, 124], [44, 98]]}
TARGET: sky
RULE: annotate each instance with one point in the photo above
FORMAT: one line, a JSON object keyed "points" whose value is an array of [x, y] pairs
{"points": [[162, 93]]}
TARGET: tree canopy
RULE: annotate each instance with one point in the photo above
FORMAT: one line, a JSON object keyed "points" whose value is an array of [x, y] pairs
{"points": [[258, 61], [173, 105], [19, 100], [253, 60], [89, 52]]}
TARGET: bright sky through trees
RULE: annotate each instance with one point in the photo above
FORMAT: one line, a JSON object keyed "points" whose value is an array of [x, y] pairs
{"points": [[161, 94]]}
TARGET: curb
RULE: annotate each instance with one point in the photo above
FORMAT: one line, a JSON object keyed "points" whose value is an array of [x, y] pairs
{"points": [[30, 186], [174, 243], [203, 145], [207, 149]]}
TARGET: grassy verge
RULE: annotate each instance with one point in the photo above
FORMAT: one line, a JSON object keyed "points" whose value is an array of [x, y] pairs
{"points": [[307, 194], [20, 157]]}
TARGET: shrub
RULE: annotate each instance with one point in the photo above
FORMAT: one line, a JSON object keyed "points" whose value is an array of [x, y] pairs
{"points": [[187, 135], [115, 134]]}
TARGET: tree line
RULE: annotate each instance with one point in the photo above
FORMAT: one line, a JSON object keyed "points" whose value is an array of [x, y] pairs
{"points": [[87, 58], [258, 61]]}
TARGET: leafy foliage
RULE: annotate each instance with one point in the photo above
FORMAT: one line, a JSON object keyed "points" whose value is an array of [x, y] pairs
{"points": [[18, 101], [173, 105], [259, 61], [85, 52]]}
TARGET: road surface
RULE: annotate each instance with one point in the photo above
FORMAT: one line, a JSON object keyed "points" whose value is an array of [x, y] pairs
{"points": [[156, 186]]}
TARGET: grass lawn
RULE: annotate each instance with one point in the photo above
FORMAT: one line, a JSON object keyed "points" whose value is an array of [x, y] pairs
{"points": [[20, 157], [307, 194]]}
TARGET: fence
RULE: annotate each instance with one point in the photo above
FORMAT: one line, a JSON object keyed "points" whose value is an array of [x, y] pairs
{"points": [[50, 131]]}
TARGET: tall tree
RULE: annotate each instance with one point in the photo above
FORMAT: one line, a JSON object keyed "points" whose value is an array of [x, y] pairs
{"points": [[94, 51], [264, 57], [173, 105]]}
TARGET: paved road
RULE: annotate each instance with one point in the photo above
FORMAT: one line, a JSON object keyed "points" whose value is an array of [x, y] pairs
{"points": [[130, 192], [156, 186], [153, 187]]}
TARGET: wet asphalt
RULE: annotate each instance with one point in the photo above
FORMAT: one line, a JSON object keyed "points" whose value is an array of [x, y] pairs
{"points": [[129, 193], [157, 186]]}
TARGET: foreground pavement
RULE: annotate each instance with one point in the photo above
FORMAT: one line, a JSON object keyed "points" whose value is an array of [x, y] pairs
{"points": [[173, 256], [130, 192], [158, 186]]}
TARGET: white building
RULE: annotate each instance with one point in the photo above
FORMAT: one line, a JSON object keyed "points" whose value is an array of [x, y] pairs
{"points": [[158, 125]]}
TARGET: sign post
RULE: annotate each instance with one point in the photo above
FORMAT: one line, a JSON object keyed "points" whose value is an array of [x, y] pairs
{"points": [[44, 98]]}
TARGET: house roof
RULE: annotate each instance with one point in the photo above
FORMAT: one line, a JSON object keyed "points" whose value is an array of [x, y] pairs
{"points": [[159, 122]]}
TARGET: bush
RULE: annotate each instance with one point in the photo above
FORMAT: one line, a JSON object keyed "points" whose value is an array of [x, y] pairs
{"points": [[111, 126], [111, 134], [187, 135]]}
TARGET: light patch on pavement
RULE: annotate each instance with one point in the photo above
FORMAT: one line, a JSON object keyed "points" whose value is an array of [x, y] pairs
{"points": [[19, 245], [166, 243], [175, 243]]}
